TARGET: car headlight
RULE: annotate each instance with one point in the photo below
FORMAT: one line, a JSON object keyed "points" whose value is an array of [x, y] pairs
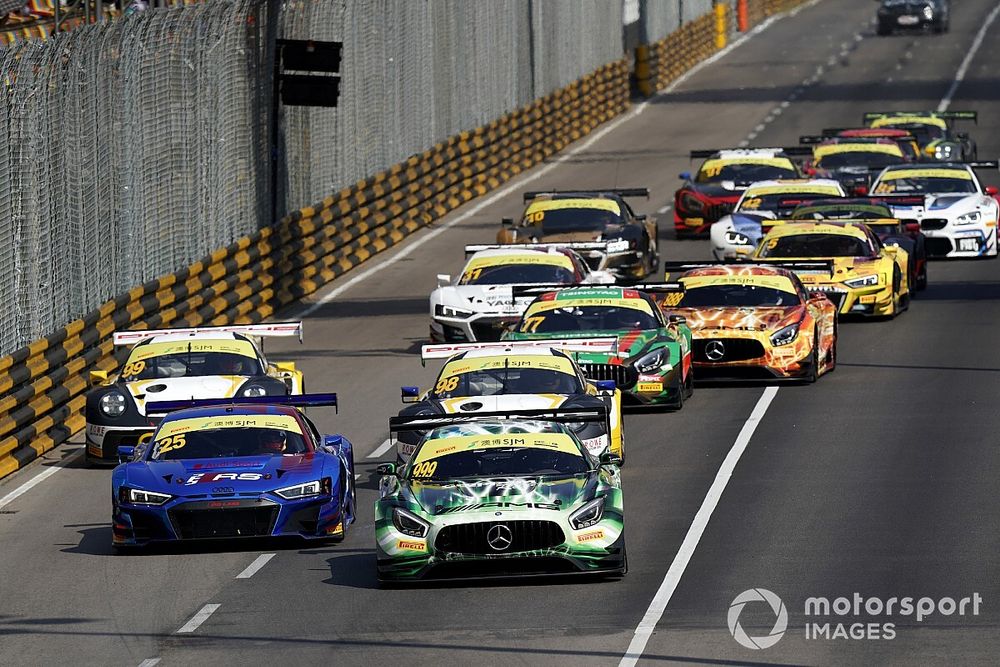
{"points": [[943, 152], [928, 13], [313, 488], [140, 497], [969, 218], [692, 203], [113, 404], [449, 311], [409, 523], [254, 390], [620, 245], [736, 238], [785, 335], [863, 281], [653, 360], [588, 515]]}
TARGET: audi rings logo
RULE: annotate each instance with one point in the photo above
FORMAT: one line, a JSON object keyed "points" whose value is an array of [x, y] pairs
{"points": [[780, 621], [499, 537], [715, 350]]}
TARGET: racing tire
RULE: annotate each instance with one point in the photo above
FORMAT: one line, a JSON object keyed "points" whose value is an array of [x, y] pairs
{"points": [[679, 403], [624, 569], [813, 373], [689, 384], [831, 355]]}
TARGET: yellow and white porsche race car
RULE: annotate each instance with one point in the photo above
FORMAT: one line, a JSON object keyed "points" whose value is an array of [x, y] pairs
{"points": [[175, 364], [517, 375], [868, 278]]}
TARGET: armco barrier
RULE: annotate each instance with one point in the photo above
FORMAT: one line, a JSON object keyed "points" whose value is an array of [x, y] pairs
{"points": [[44, 385]]}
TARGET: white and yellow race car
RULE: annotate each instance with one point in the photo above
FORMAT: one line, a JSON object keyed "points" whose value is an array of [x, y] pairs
{"points": [[521, 375], [175, 364]]}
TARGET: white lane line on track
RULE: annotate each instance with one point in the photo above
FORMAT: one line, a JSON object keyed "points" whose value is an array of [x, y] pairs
{"points": [[198, 619], [381, 449], [255, 566], [150, 662], [964, 67], [524, 180], [38, 479], [673, 577], [665, 208]]}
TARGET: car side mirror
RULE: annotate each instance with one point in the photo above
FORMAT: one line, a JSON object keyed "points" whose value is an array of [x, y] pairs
{"points": [[98, 377], [676, 319], [125, 454], [409, 394], [386, 470], [443, 279], [891, 249], [605, 385], [684, 175], [610, 459], [640, 218], [287, 366], [332, 443], [912, 227], [992, 190], [507, 222]]}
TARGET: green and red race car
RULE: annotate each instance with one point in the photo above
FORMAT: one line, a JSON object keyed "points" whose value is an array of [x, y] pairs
{"points": [[652, 361]]}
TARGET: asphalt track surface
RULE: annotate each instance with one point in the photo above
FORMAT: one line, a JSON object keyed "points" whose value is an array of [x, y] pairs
{"points": [[880, 479]]}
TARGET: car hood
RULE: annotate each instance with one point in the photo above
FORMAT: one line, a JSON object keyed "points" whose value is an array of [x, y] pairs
{"points": [[501, 402], [727, 191], [177, 389], [242, 474], [630, 342], [703, 320], [482, 298], [506, 494], [583, 235]]}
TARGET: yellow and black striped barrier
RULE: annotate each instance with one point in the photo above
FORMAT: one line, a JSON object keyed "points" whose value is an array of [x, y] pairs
{"points": [[43, 386]]}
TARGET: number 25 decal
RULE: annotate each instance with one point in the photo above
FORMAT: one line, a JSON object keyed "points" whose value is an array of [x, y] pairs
{"points": [[425, 469], [447, 384], [170, 443]]}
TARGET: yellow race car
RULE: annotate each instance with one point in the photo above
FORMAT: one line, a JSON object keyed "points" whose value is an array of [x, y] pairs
{"points": [[868, 278]]}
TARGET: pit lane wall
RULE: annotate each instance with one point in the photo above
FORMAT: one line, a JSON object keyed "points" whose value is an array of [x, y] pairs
{"points": [[43, 385]]}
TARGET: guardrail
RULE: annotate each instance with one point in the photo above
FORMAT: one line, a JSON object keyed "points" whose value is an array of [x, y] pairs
{"points": [[44, 384]]}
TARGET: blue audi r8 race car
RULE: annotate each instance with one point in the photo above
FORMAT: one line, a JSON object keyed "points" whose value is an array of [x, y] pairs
{"points": [[215, 469]]}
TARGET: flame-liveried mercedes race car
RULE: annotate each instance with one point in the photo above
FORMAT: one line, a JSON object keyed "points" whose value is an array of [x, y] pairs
{"points": [[754, 321], [218, 469], [507, 494], [171, 364]]}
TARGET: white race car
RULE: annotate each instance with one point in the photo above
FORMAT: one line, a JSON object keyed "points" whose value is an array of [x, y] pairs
{"points": [[517, 375], [479, 305], [177, 364], [957, 215], [736, 235]]}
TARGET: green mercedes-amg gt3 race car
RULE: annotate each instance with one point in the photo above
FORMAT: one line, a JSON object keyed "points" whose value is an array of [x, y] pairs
{"points": [[652, 362], [500, 495]]}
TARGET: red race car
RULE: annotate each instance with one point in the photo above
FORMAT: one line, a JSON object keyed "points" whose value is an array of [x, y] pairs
{"points": [[713, 190]]}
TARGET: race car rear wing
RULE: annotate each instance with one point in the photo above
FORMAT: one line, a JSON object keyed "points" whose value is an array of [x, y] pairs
{"points": [[821, 266], [621, 192], [535, 290], [834, 132], [712, 152], [984, 164], [603, 345], [597, 414], [274, 329], [946, 115], [813, 139], [601, 246], [295, 401]]}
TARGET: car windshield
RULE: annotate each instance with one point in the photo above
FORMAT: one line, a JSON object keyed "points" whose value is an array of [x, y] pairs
{"points": [[882, 230], [854, 212], [568, 220], [816, 245], [214, 443], [191, 364], [497, 381], [932, 185], [515, 461], [745, 173], [730, 296], [587, 318], [780, 201], [512, 274], [869, 159]]}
